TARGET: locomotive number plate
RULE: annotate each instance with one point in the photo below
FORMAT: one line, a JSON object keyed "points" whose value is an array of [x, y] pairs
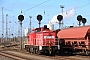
{"points": [[48, 36]]}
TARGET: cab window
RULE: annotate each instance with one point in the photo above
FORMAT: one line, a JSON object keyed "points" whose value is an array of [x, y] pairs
{"points": [[37, 30]]}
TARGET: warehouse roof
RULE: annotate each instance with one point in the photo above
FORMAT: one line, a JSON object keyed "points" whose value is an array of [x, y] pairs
{"points": [[74, 32]]}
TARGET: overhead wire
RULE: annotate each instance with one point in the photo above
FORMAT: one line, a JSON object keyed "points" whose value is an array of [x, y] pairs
{"points": [[78, 7], [14, 4], [37, 5], [82, 1], [29, 8], [11, 7], [82, 6]]}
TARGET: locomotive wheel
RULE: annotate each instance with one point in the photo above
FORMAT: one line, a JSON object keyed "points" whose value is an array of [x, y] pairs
{"points": [[46, 52], [53, 52], [38, 52], [86, 53], [31, 50], [28, 49], [34, 50], [25, 48]]}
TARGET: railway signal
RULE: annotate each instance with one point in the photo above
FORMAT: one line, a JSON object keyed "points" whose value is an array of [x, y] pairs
{"points": [[39, 18], [21, 18], [59, 18], [84, 21], [79, 18]]}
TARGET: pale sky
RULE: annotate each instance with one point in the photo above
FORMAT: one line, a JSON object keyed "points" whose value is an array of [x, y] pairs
{"points": [[72, 8]]}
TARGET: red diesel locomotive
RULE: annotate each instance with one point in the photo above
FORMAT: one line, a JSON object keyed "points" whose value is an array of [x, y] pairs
{"points": [[42, 40]]}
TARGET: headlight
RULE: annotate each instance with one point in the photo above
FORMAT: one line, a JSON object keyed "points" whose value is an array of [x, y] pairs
{"points": [[40, 47]]}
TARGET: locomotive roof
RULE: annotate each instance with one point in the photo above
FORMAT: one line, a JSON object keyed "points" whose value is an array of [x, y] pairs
{"points": [[74, 32]]}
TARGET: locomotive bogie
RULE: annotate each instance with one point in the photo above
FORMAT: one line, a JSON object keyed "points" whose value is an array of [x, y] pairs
{"points": [[41, 49]]}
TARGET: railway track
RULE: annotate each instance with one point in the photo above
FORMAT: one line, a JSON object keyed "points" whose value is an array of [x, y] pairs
{"points": [[13, 56], [68, 57], [23, 55]]}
